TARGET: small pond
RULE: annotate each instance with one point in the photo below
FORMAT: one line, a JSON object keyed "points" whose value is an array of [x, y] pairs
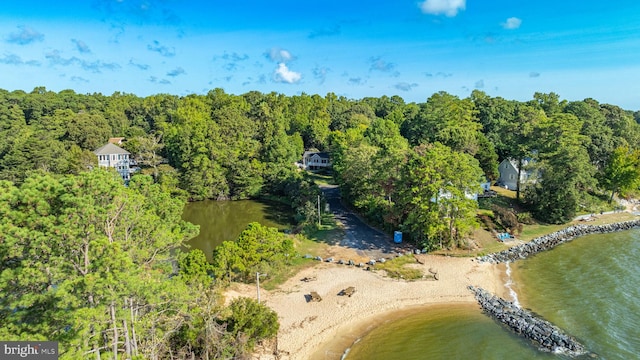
{"points": [[224, 220]]}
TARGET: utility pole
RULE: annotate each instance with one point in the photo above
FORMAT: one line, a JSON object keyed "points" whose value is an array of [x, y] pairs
{"points": [[319, 218], [258, 284]]}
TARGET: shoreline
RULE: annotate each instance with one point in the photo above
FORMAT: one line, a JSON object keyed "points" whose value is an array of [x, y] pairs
{"points": [[346, 338], [325, 329]]}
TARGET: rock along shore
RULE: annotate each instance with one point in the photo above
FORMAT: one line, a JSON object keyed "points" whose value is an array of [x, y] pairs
{"points": [[552, 240], [524, 323]]}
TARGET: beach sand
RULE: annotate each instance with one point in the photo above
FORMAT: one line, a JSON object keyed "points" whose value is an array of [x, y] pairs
{"points": [[324, 329]]}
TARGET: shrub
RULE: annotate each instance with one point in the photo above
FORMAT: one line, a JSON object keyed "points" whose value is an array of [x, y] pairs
{"points": [[507, 218], [526, 218]]}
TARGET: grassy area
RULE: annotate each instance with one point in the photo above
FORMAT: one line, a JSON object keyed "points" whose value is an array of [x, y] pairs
{"points": [[397, 268], [485, 243], [329, 232], [505, 193], [530, 232], [275, 279], [321, 179], [506, 198], [313, 243]]}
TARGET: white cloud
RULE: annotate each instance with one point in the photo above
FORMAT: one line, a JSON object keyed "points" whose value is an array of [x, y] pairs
{"points": [[161, 49], [81, 46], [320, 73], [177, 71], [512, 23], [447, 7], [380, 65], [13, 59], [284, 75], [25, 36], [278, 55], [357, 81], [405, 86]]}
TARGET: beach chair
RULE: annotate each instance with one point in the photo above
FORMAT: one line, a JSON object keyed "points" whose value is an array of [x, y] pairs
{"points": [[315, 296], [348, 291]]}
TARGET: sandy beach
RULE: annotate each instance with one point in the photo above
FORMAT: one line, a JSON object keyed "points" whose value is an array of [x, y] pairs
{"points": [[324, 329]]}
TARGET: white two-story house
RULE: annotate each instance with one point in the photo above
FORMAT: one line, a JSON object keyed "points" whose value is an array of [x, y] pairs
{"points": [[111, 155], [509, 174], [315, 160]]}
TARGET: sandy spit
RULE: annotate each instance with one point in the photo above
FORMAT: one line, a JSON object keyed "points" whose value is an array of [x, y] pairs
{"points": [[324, 329]]}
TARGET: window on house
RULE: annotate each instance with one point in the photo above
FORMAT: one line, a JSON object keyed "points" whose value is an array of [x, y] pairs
{"points": [[511, 177]]}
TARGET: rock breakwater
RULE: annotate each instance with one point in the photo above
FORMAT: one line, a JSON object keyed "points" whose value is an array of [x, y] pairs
{"points": [[545, 335], [552, 240]]}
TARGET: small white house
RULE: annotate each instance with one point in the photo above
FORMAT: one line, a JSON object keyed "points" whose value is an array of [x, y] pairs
{"points": [[486, 185], [111, 155], [509, 174], [315, 160]]}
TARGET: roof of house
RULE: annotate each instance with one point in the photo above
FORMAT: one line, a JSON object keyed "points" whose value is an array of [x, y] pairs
{"points": [[109, 149], [324, 155], [116, 140], [514, 163]]}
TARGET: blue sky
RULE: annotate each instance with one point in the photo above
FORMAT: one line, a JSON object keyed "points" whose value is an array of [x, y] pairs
{"points": [[352, 48]]}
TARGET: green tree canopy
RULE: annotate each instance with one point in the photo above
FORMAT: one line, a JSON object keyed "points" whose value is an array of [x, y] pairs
{"points": [[436, 186], [80, 253]]}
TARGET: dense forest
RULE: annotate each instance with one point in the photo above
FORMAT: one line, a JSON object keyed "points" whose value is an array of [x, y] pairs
{"points": [[403, 165], [95, 265]]}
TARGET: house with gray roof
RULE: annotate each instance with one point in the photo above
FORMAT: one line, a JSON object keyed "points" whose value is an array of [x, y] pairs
{"points": [[113, 156], [316, 160]]}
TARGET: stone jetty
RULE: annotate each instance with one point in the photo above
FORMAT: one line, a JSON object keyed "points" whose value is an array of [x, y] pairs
{"points": [[545, 335], [552, 240]]}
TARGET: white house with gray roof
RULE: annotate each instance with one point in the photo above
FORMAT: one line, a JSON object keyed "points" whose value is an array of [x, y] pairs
{"points": [[113, 156], [315, 160]]}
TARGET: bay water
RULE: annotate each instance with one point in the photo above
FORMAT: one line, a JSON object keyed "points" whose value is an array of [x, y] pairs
{"points": [[589, 287]]}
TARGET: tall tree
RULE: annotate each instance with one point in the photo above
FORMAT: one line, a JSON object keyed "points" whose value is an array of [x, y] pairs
{"points": [[446, 119], [81, 254], [550, 103], [257, 249], [435, 190], [602, 140], [189, 142], [567, 173], [495, 115], [521, 137], [147, 151], [622, 171]]}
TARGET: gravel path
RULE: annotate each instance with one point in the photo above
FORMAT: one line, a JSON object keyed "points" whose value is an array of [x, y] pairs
{"points": [[366, 240]]}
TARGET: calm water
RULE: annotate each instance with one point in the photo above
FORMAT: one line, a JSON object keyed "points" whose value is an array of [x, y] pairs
{"points": [[588, 287], [224, 220]]}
